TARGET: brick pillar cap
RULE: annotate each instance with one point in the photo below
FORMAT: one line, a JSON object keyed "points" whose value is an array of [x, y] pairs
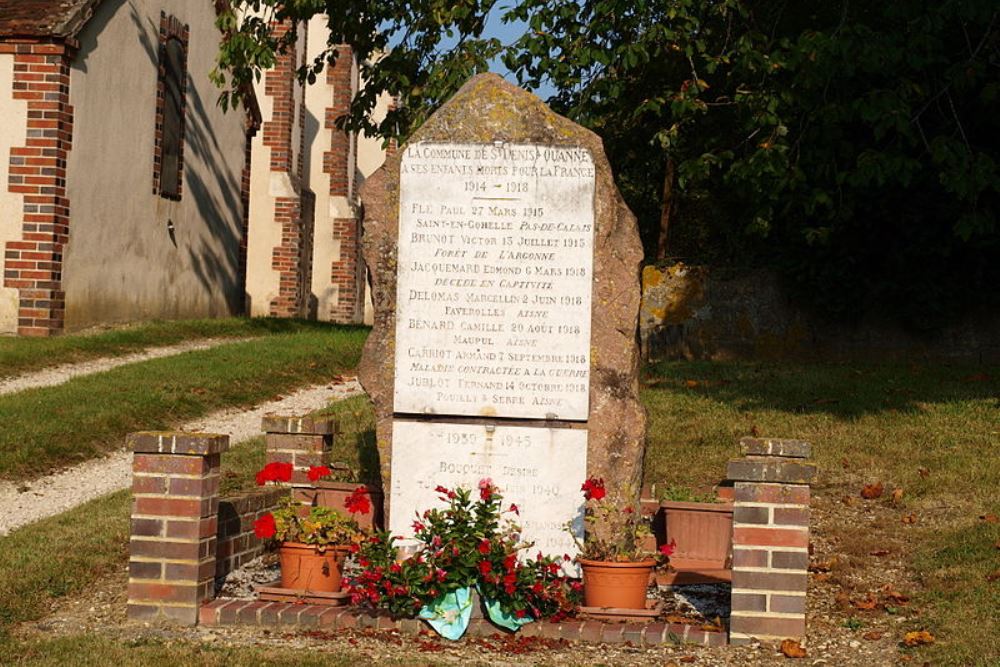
{"points": [[299, 425], [782, 447], [770, 469], [177, 442]]}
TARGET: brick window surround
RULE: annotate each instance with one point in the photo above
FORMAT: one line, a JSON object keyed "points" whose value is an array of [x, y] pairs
{"points": [[171, 108]]}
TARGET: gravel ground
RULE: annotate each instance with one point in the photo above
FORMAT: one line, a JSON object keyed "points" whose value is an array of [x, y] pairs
{"points": [[24, 503], [49, 377]]}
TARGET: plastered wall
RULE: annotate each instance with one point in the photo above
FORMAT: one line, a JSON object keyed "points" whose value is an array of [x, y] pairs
{"points": [[123, 262]]}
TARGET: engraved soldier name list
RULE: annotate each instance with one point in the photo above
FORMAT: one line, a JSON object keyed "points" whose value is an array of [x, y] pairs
{"points": [[494, 280]]}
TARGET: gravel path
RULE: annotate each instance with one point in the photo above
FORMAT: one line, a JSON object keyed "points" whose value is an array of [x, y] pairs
{"points": [[48, 377], [24, 503]]}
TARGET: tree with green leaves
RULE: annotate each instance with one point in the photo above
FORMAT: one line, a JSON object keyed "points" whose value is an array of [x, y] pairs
{"points": [[852, 146]]}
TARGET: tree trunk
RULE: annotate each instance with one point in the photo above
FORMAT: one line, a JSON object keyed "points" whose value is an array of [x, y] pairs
{"points": [[668, 205]]}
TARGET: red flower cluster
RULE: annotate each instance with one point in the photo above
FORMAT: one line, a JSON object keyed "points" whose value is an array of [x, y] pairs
{"points": [[668, 549], [446, 493], [486, 489], [275, 471], [264, 527], [593, 488], [358, 502], [317, 472]]}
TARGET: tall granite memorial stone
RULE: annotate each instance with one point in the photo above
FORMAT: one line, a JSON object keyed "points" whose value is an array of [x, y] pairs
{"points": [[504, 267]]}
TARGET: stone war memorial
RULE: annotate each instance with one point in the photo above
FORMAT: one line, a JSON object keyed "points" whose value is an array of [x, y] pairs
{"points": [[504, 267], [505, 276]]}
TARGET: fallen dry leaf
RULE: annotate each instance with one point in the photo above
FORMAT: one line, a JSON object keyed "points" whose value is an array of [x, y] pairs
{"points": [[845, 463], [872, 635], [822, 576], [867, 604], [897, 597], [842, 599], [910, 519], [793, 649], [823, 566], [872, 491], [990, 518], [880, 553], [918, 638], [897, 495], [923, 472], [690, 384], [688, 658], [849, 500], [994, 576]]}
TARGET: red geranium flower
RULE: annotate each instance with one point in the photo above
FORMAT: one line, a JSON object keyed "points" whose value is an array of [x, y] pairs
{"points": [[264, 527], [668, 549], [315, 472], [275, 471], [484, 546], [485, 567], [357, 502], [520, 613], [593, 488]]}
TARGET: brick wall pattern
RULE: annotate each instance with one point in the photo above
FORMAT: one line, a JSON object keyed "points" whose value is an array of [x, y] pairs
{"points": [[175, 507], [770, 540], [33, 264]]}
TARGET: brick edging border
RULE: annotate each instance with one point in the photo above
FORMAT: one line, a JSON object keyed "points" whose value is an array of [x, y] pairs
{"points": [[237, 612]]}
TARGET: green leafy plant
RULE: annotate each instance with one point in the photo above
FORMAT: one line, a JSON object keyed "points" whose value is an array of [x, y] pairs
{"points": [[614, 532], [468, 543]]}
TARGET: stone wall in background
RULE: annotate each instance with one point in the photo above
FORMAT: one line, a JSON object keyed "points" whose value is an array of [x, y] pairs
{"points": [[693, 312]]}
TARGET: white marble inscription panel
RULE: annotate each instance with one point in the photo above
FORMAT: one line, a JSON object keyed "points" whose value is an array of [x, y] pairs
{"points": [[495, 265], [538, 469]]}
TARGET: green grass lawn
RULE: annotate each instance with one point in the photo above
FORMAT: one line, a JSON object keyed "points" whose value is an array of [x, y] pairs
{"points": [[933, 431], [45, 428], [20, 355], [64, 554]]}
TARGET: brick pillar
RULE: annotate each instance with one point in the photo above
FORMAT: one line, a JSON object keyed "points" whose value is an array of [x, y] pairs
{"points": [[770, 539], [175, 506], [302, 441]]}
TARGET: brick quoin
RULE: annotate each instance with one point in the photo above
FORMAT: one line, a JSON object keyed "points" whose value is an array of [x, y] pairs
{"points": [[33, 264], [291, 257], [347, 271]]}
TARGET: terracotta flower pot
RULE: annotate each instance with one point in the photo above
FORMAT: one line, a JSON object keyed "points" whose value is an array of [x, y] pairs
{"points": [[617, 585], [305, 568], [703, 534]]}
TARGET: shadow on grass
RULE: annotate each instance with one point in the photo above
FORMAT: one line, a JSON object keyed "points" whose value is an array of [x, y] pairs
{"points": [[839, 390]]}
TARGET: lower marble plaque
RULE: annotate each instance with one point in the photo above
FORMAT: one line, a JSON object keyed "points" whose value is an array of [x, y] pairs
{"points": [[539, 469]]}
